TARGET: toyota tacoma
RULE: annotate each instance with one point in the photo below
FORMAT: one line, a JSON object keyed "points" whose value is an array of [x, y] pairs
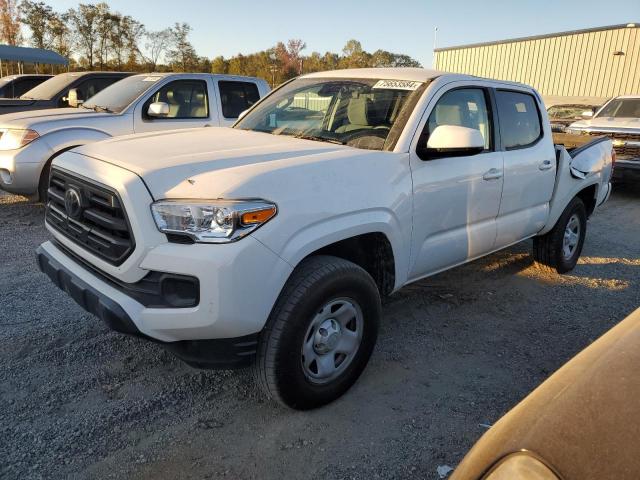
{"points": [[271, 243]]}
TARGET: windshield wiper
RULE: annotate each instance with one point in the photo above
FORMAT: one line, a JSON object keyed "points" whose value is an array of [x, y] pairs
{"points": [[97, 108], [318, 138]]}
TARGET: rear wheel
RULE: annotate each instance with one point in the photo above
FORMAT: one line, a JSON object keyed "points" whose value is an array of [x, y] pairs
{"points": [[560, 248], [320, 334]]}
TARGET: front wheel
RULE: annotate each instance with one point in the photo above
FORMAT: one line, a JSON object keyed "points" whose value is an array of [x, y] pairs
{"points": [[560, 248], [320, 334]]}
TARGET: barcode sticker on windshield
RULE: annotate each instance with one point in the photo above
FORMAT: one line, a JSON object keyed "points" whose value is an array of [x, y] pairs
{"points": [[397, 85], [151, 79]]}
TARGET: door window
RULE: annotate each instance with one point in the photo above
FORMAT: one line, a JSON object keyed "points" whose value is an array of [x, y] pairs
{"points": [[463, 107], [23, 86], [89, 88], [236, 97], [520, 124], [187, 99]]}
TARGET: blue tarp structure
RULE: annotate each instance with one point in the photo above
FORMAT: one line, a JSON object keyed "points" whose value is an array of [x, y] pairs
{"points": [[31, 55]]}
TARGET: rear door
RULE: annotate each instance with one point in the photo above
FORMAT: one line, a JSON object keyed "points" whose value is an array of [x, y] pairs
{"points": [[189, 106], [456, 199], [234, 97], [529, 165]]}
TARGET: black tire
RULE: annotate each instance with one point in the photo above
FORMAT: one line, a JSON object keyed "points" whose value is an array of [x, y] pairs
{"points": [[548, 248], [315, 282], [43, 184]]}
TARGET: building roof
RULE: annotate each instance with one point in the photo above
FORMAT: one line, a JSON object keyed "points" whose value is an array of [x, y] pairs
{"points": [[31, 55], [539, 37], [397, 73]]}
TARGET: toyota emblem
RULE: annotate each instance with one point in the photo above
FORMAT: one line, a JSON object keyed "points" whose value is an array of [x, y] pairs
{"points": [[72, 203]]}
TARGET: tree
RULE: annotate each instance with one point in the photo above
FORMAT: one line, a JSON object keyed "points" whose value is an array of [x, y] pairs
{"points": [[60, 36], [85, 22], [219, 65], [105, 21], [382, 58], [354, 55], [182, 56], [157, 45], [10, 23], [38, 17]]}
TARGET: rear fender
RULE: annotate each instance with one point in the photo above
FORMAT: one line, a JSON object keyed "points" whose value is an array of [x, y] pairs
{"points": [[593, 167]]}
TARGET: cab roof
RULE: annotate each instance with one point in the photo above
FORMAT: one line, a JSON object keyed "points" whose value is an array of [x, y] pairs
{"points": [[396, 73]]}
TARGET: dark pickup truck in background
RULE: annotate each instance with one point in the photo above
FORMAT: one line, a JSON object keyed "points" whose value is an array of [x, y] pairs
{"points": [[14, 86], [54, 93]]}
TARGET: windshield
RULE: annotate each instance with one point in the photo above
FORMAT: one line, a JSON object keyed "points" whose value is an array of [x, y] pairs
{"points": [[621, 108], [567, 112], [119, 96], [362, 113], [50, 88]]}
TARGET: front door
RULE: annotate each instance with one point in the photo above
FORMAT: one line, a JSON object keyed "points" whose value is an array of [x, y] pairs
{"points": [[456, 199], [188, 102]]}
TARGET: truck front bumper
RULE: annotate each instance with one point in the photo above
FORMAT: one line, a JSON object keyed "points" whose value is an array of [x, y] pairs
{"points": [[20, 169], [206, 336], [627, 170]]}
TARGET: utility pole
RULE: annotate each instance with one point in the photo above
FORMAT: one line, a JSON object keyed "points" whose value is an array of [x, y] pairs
{"points": [[435, 44]]}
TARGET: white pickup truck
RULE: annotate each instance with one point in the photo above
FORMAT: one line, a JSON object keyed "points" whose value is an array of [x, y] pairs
{"points": [[271, 243], [140, 103], [618, 119]]}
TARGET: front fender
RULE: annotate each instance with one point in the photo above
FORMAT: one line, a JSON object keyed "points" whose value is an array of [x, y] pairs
{"points": [[322, 233], [63, 139]]}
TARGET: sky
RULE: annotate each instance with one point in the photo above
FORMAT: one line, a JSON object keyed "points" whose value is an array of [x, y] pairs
{"points": [[401, 26]]}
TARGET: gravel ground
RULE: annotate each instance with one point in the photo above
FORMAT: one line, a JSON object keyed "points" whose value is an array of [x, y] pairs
{"points": [[456, 351]]}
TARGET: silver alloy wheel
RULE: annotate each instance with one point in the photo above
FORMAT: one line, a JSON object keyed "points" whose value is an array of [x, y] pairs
{"points": [[571, 237], [332, 340]]}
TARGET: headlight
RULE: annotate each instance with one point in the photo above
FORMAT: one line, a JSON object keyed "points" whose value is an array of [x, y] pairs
{"points": [[212, 221], [12, 138], [521, 466]]}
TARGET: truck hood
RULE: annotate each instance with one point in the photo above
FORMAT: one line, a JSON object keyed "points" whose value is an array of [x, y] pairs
{"points": [[189, 163], [608, 124], [37, 119]]}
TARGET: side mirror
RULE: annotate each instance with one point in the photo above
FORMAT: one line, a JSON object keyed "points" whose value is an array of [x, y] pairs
{"points": [[587, 114], [453, 141], [73, 99], [158, 109]]}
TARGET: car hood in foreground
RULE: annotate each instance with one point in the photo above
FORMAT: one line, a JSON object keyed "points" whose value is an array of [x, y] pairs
{"points": [[608, 123], [582, 421], [181, 163]]}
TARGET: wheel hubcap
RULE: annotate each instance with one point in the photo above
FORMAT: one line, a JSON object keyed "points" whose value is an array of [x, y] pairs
{"points": [[332, 340], [571, 237]]}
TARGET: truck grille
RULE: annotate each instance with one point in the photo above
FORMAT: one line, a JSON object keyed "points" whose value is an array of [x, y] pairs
{"points": [[90, 215], [626, 145]]}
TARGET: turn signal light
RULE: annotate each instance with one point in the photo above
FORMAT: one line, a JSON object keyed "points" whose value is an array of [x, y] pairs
{"points": [[257, 216]]}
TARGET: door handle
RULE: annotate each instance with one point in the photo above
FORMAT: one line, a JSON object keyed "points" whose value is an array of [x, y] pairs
{"points": [[546, 165], [493, 174]]}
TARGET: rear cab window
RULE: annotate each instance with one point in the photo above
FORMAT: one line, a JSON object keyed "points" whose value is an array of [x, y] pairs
{"points": [[520, 119], [236, 97]]}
